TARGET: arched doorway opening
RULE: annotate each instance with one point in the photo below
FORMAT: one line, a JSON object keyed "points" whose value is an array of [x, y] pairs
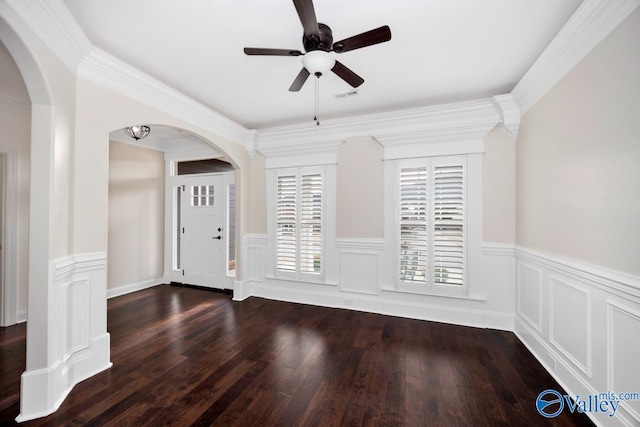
{"points": [[41, 334], [194, 219]]}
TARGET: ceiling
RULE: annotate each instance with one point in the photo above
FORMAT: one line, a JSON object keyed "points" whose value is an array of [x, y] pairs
{"points": [[168, 140], [441, 51]]}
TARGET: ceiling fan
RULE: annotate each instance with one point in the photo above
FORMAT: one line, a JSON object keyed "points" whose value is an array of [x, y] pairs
{"points": [[317, 40]]}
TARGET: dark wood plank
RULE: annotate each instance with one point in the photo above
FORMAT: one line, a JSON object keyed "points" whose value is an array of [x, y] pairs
{"points": [[185, 356]]}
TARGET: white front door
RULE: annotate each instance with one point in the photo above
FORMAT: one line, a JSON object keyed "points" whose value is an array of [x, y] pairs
{"points": [[203, 238]]}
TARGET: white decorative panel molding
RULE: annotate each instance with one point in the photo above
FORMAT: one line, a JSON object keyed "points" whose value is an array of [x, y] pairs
{"points": [[591, 345], [254, 258], [623, 354], [570, 322], [78, 304], [74, 322], [358, 272], [529, 295]]}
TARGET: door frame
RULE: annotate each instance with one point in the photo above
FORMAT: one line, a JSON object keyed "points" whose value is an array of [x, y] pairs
{"points": [[172, 181]]}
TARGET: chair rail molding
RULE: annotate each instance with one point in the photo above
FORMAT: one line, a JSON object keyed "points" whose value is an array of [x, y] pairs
{"points": [[580, 321]]}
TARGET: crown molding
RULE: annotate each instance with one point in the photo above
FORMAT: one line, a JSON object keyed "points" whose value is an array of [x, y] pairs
{"points": [[588, 26], [462, 121], [53, 23], [302, 153], [106, 70], [509, 112], [55, 26]]}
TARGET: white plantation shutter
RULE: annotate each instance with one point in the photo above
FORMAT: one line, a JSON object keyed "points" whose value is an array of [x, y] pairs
{"points": [[286, 223], [431, 221], [448, 223], [413, 224], [311, 223]]}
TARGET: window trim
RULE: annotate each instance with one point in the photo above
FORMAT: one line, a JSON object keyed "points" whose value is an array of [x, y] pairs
{"points": [[472, 287], [327, 172]]}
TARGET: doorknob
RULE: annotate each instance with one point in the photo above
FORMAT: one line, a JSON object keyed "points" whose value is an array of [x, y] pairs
{"points": [[218, 237]]}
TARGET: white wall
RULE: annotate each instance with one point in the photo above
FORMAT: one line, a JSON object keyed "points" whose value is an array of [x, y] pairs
{"points": [[136, 217], [578, 228]]}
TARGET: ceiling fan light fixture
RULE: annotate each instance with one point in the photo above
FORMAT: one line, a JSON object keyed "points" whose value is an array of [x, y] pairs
{"points": [[137, 132], [318, 61]]}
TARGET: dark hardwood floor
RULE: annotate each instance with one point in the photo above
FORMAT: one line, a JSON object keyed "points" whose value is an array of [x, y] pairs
{"points": [[185, 356]]}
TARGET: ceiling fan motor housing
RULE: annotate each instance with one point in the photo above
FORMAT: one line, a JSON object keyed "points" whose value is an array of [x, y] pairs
{"points": [[323, 42]]}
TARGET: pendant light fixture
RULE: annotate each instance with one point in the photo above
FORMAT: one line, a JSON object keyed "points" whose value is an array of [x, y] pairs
{"points": [[137, 132]]}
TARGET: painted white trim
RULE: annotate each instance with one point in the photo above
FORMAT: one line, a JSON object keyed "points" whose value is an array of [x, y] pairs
{"points": [[133, 287], [635, 314], [473, 287], [463, 121], [302, 154], [21, 316], [603, 289], [615, 282], [574, 384], [478, 312], [554, 281], [532, 323], [498, 249], [509, 112], [588, 26], [106, 70], [77, 297], [54, 24], [328, 271]]}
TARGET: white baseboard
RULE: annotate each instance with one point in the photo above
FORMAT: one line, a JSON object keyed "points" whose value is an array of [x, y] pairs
{"points": [[21, 316], [133, 287], [44, 390], [75, 337], [580, 321]]}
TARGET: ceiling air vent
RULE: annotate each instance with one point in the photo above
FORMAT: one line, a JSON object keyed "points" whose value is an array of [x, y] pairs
{"points": [[347, 94]]}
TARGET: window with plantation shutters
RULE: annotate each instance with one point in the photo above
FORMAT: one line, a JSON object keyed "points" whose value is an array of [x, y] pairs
{"points": [[431, 220], [413, 224], [299, 223], [286, 224], [448, 223], [311, 223]]}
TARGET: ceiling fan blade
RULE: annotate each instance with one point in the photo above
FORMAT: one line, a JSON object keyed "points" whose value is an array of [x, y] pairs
{"points": [[375, 36], [347, 75], [299, 81], [273, 52], [307, 16]]}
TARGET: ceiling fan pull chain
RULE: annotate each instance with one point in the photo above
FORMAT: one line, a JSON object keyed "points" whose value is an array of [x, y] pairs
{"points": [[317, 117]]}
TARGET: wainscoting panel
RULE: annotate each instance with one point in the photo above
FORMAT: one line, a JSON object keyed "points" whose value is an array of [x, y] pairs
{"points": [[588, 332], [570, 321], [360, 285], [529, 294], [359, 265], [79, 346], [254, 251], [74, 318], [623, 353]]}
